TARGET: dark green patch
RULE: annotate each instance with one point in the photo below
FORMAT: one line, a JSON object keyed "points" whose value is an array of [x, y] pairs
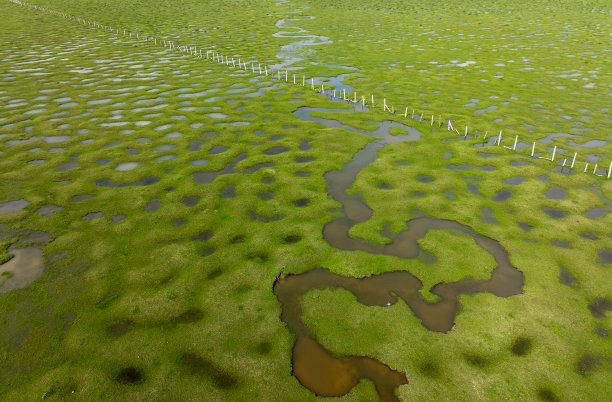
{"points": [[292, 239], [264, 348], [190, 316], [521, 346], [119, 328], [203, 367], [208, 251], [7, 274], [238, 239], [302, 202], [129, 376], [430, 369], [242, 288], [215, 273], [261, 257], [545, 394], [104, 303], [599, 306], [477, 360]]}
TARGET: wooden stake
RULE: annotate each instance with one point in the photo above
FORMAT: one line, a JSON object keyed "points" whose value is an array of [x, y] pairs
{"points": [[533, 150], [595, 168], [585, 167], [574, 160], [609, 170], [406, 112], [499, 138]]}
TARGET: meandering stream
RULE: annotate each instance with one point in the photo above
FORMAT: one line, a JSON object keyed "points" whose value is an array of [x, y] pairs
{"points": [[314, 366]]}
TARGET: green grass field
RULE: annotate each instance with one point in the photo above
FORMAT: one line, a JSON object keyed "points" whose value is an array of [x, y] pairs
{"points": [[158, 272]]}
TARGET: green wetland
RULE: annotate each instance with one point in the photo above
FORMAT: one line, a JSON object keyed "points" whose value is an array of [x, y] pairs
{"points": [[177, 227]]}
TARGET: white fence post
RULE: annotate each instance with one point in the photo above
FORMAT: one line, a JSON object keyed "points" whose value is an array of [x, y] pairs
{"points": [[574, 160]]}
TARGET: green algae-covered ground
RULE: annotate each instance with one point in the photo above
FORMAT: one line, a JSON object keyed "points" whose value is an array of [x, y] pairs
{"points": [[163, 290]]}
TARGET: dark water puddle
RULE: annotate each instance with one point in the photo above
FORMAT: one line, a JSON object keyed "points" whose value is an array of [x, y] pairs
{"points": [[450, 194], [599, 306], [473, 188], [513, 181], [67, 166], [275, 150], [191, 201], [276, 137], [589, 235], [596, 213], [383, 186], [203, 236], [305, 159], [488, 216], [263, 218], [502, 195], [218, 149], [266, 195], [554, 212], [556, 193], [146, 181], [268, 180], [459, 167], [566, 277], [102, 162], [543, 178], [228, 191], [302, 174], [525, 226], [93, 215], [209, 177], [118, 218], [258, 166], [561, 243], [48, 210], [519, 163], [82, 197], [153, 205], [305, 145], [423, 178], [195, 145]]}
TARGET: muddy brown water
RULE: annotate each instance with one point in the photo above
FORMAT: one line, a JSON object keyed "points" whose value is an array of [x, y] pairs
{"points": [[317, 368], [25, 266]]}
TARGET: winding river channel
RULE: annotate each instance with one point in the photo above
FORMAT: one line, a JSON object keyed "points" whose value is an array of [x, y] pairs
{"points": [[314, 366]]}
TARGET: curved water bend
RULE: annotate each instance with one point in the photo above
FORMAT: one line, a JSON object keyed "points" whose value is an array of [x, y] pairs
{"points": [[315, 367]]}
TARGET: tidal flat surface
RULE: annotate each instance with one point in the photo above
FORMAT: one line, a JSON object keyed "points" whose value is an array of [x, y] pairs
{"points": [[182, 195]]}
